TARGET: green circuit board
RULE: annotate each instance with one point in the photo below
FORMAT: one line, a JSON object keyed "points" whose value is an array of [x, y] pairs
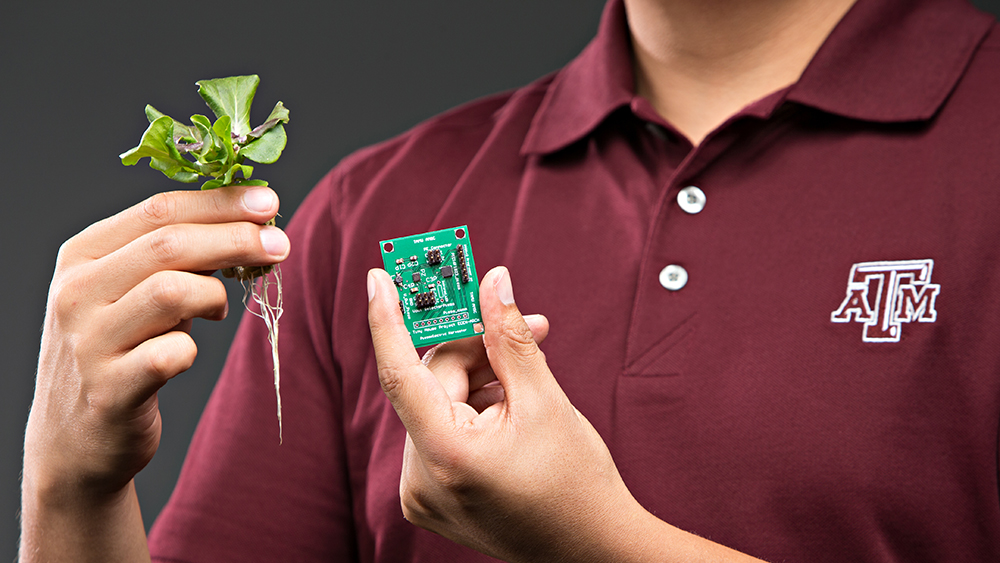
{"points": [[435, 277]]}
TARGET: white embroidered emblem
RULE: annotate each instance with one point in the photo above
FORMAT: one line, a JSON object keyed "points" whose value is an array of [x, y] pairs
{"points": [[883, 295]]}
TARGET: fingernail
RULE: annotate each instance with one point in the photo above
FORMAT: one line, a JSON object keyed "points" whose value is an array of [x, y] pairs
{"points": [[371, 286], [503, 288], [274, 241], [259, 200]]}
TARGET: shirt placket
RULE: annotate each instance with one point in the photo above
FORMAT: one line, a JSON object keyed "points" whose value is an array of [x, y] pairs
{"points": [[665, 307], [668, 295]]}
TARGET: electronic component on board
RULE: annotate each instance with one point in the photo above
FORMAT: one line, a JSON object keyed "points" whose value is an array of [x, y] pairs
{"points": [[442, 301], [424, 300], [434, 257]]}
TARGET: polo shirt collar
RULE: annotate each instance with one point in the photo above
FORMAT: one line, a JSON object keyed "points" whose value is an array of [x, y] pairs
{"points": [[886, 61], [594, 84], [892, 60]]}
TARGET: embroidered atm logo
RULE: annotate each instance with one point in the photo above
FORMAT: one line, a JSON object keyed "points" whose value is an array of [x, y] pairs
{"points": [[883, 295]]}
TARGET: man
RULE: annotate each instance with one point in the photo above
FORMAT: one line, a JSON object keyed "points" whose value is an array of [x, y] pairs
{"points": [[762, 234]]}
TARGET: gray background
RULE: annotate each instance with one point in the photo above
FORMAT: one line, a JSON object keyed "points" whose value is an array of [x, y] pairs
{"points": [[74, 78]]}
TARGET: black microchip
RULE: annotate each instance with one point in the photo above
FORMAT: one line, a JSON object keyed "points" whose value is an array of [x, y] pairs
{"points": [[398, 280], [447, 272], [434, 256], [416, 277]]}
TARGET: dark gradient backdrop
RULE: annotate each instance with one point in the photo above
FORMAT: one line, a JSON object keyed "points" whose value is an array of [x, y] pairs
{"points": [[74, 78]]}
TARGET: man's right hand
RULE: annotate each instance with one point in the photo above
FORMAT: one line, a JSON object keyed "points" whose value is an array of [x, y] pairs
{"points": [[116, 330]]}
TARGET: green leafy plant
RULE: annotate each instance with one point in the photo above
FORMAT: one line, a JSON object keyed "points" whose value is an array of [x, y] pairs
{"points": [[219, 151]]}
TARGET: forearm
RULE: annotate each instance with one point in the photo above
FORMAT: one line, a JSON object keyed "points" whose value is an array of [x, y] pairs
{"points": [[59, 526], [641, 537], [626, 532]]}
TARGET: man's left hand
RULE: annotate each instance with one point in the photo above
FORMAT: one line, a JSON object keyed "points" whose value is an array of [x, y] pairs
{"points": [[496, 457]]}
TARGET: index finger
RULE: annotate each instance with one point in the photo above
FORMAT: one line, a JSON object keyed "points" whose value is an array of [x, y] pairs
{"points": [[418, 397], [256, 204]]}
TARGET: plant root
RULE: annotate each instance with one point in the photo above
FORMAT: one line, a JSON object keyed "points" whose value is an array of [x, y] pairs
{"points": [[246, 273], [269, 312]]}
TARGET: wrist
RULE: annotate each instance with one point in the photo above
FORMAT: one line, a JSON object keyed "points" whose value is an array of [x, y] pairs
{"points": [[52, 478], [62, 523], [633, 534]]}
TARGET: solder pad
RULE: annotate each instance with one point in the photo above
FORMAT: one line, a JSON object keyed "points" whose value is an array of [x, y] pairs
{"points": [[435, 277]]}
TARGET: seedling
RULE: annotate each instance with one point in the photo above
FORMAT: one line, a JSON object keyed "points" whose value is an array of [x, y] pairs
{"points": [[219, 151]]}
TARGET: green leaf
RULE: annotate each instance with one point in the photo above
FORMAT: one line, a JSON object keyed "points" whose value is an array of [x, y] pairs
{"points": [[212, 184], [181, 132], [231, 97], [186, 176], [266, 149], [199, 119], [157, 144], [153, 143], [231, 173], [224, 136], [278, 115], [152, 114], [205, 135], [213, 169]]}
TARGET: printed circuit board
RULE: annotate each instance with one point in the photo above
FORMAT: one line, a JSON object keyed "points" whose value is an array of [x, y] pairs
{"points": [[435, 276]]}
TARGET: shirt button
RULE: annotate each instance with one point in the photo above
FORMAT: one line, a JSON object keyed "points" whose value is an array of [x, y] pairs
{"points": [[691, 199], [673, 277]]}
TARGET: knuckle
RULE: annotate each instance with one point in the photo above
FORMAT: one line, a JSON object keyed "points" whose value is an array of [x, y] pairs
{"points": [[165, 245], [65, 294], [391, 379], [65, 254], [244, 239], [167, 292], [165, 362], [415, 507], [222, 200], [71, 249], [159, 210], [516, 336]]}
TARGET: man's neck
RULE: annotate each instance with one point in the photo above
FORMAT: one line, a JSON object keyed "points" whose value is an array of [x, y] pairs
{"points": [[699, 62]]}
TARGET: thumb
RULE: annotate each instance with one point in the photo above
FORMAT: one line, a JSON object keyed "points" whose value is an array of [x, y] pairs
{"points": [[510, 347], [418, 397]]}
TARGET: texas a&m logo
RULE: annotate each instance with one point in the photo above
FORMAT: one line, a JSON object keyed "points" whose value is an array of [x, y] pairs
{"points": [[883, 295]]}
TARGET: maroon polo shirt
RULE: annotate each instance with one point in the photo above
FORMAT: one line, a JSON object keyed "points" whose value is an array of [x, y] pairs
{"points": [[800, 359]]}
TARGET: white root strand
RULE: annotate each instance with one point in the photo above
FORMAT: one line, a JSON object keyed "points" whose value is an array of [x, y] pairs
{"points": [[270, 314]]}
